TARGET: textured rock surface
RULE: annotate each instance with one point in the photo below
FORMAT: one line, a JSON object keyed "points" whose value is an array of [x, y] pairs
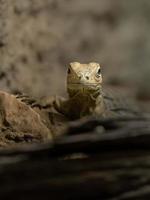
{"points": [[38, 38], [20, 123]]}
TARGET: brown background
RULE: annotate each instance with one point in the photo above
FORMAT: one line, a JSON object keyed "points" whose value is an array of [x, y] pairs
{"points": [[38, 38]]}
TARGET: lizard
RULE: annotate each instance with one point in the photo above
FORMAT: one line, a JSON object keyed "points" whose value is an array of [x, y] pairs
{"points": [[84, 88], [85, 95], [88, 97]]}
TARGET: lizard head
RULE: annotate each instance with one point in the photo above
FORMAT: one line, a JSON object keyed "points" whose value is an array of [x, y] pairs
{"points": [[85, 78]]}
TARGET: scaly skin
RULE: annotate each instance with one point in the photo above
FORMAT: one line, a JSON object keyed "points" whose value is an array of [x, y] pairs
{"points": [[84, 86]]}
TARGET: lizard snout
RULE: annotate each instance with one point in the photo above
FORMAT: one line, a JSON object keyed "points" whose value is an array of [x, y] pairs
{"points": [[83, 77]]}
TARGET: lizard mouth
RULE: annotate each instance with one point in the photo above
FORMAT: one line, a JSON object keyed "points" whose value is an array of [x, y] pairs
{"points": [[84, 87]]}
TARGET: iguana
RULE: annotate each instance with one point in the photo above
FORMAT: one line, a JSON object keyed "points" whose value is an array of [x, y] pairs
{"points": [[86, 95], [84, 87]]}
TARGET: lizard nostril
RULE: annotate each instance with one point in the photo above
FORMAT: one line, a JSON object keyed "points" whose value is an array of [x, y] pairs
{"points": [[87, 77]]}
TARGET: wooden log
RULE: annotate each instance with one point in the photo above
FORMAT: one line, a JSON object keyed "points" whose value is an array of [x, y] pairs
{"points": [[89, 165]]}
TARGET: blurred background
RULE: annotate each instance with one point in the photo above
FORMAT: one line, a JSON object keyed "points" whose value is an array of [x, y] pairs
{"points": [[38, 39]]}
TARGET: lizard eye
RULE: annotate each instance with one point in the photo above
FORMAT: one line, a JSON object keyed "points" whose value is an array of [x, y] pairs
{"points": [[98, 74], [69, 71]]}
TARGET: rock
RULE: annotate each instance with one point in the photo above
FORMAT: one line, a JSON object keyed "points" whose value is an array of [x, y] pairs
{"points": [[19, 122], [55, 121]]}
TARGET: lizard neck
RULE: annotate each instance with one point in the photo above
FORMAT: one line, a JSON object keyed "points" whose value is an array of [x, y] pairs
{"points": [[84, 103]]}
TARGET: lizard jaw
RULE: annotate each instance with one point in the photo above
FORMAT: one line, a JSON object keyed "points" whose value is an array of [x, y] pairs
{"points": [[79, 86], [86, 89]]}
